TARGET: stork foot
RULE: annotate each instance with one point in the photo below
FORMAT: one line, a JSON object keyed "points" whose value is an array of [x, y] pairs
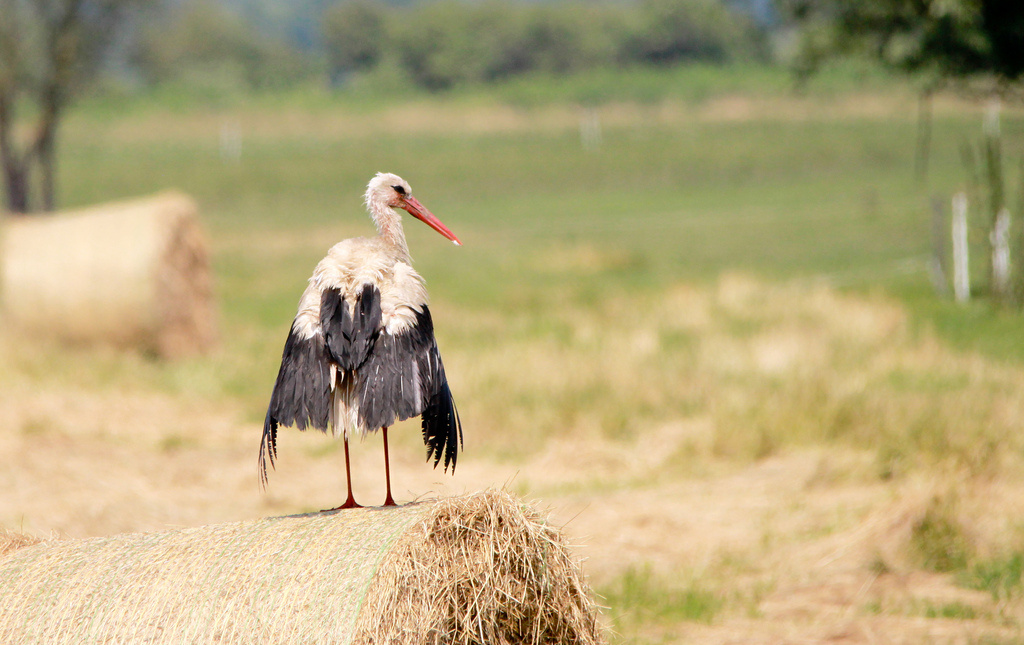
{"points": [[349, 503], [390, 501]]}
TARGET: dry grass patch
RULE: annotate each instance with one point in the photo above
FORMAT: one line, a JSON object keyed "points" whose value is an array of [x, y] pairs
{"points": [[764, 367]]}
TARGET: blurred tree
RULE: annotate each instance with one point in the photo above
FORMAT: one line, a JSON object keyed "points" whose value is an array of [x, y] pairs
{"points": [[566, 37], [50, 50], [941, 39], [354, 36], [670, 31], [203, 42], [435, 44], [445, 43]]}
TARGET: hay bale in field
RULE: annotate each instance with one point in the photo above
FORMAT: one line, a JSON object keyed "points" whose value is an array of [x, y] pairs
{"points": [[134, 273], [478, 569]]}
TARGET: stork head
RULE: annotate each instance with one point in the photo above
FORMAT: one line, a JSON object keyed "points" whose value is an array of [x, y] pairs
{"points": [[387, 191]]}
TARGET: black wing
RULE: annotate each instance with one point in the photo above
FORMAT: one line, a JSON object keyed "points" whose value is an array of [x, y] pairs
{"points": [[403, 376], [397, 376], [302, 393]]}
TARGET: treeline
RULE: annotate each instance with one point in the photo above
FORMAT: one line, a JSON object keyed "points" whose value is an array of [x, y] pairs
{"points": [[442, 44]]}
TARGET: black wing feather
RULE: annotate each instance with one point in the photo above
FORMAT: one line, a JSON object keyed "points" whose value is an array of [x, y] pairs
{"points": [[350, 336], [404, 377], [302, 393], [442, 428]]}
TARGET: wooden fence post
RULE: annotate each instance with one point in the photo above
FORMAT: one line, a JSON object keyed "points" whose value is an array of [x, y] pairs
{"points": [[961, 274]]}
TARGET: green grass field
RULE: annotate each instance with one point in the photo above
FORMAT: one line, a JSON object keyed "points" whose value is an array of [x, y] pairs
{"points": [[811, 185], [732, 256]]}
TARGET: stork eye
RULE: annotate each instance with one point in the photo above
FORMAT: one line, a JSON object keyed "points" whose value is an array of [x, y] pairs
{"points": [[399, 190]]}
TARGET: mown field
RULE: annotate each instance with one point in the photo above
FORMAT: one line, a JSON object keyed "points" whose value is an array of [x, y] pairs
{"points": [[707, 343]]}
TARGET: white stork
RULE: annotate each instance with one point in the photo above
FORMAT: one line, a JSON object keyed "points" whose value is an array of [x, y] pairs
{"points": [[361, 352]]}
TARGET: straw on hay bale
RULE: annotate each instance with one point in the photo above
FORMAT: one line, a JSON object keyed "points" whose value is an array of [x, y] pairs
{"points": [[11, 541], [479, 569], [134, 273]]}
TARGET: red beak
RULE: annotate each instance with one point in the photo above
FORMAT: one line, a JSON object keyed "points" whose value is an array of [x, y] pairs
{"points": [[420, 212]]}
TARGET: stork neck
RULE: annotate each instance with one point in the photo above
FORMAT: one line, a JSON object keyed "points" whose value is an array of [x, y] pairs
{"points": [[389, 225]]}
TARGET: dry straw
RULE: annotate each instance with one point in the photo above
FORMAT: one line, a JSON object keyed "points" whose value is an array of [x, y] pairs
{"points": [[478, 569], [11, 541], [134, 273]]}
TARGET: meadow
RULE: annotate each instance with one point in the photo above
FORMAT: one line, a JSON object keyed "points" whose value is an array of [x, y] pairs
{"points": [[707, 341]]}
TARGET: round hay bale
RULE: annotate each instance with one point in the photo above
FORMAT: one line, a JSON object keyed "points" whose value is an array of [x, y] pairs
{"points": [[134, 273], [478, 569]]}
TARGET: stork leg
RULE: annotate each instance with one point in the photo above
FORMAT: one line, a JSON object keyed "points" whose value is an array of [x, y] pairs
{"points": [[390, 501], [351, 501]]}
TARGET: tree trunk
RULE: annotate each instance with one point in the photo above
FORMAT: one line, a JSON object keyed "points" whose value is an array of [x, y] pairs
{"points": [[44, 146], [47, 160], [15, 170], [16, 187]]}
